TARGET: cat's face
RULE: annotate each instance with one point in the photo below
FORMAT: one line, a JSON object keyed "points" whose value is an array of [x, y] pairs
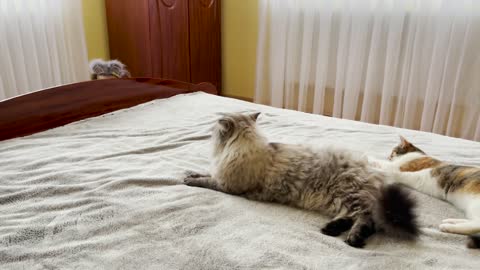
{"points": [[403, 148], [232, 126]]}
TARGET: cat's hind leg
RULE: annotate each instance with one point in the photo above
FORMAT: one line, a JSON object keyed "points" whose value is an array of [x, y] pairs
{"points": [[474, 241], [468, 226], [473, 212], [363, 228]]}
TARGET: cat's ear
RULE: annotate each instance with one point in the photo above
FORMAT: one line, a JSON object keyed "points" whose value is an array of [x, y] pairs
{"points": [[403, 141], [254, 116], [98, 66], [227, 124]]}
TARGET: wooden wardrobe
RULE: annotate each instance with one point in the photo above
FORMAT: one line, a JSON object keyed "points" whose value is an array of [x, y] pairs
{"points": [[169, 39]]}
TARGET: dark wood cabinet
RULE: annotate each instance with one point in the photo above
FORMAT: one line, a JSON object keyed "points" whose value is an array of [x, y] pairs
{"points": [[170, 39]]}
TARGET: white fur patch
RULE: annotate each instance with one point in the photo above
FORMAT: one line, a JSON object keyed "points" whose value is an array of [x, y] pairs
{"points": [[399, 161]]}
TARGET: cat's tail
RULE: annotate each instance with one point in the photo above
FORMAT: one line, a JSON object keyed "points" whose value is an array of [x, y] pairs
{"points": [[397, 211]]}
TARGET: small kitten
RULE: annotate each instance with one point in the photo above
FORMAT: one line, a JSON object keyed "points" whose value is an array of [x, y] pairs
{"points": [[459, 185], [100, 69], [335, 182]]}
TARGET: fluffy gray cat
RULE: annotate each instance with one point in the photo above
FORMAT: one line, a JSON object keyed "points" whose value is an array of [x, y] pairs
{"points": [[334, 182]]}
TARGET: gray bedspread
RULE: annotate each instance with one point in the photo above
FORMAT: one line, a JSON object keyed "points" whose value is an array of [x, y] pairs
{"points": [[106, 193]]}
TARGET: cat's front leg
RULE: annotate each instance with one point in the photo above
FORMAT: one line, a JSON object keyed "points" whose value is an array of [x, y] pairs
{"points": [[458, 226], [193, 174], [421, 181], [201, 180], [380, 163]]}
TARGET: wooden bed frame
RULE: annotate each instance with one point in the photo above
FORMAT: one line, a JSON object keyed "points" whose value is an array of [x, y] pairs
{"points": [[58, 106]]}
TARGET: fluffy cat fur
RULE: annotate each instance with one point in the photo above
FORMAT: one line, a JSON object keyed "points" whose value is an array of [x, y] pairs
{"points": [[100, 69], [459, 185], [335, 182]]}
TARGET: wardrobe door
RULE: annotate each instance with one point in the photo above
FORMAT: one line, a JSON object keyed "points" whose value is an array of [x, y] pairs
{"points": [[169, 39], [129, 35], [205, 51]]}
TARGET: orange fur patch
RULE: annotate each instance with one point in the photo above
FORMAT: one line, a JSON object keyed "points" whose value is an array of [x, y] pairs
{"points": [[467, 171], [419, 164], [472, 186]]}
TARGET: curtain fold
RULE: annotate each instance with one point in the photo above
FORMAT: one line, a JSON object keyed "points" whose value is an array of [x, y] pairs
{"points": [[411, 64], [42, 44]]}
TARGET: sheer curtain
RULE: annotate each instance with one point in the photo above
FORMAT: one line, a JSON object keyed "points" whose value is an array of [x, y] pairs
{"points": [[412, 64], [42, 44]]}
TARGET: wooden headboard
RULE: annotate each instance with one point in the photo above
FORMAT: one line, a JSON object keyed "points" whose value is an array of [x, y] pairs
{"points": [[57, 106]]}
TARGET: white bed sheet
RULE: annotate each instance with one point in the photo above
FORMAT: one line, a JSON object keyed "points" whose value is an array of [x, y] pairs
{"points": [[106, 193]]}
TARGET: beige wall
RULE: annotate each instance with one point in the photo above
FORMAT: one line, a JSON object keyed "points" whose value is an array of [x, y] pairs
{"points": [[239, 47], [95, 24]]}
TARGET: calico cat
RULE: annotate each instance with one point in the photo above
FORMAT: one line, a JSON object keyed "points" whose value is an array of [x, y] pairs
{"points": [[335, 182], [459, 185]]}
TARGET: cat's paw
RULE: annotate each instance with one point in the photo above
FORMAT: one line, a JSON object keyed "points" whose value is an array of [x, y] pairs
{"points": [[190, 178], [473, 242], [331, 231], [337, 226], [190, 181], [445, 228], [355, 242], [466, 228], [195, 181], [192, 174], [454, 220]]}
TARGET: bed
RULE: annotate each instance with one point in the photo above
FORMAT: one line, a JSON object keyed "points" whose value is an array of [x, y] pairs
{"points": [[104, 191]]}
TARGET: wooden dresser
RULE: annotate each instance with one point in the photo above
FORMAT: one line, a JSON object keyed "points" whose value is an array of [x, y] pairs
{"points": [[172, 39]]}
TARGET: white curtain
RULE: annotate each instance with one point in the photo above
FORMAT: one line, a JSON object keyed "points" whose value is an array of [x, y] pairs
{"points": [[42, 44], [412, 64]]}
